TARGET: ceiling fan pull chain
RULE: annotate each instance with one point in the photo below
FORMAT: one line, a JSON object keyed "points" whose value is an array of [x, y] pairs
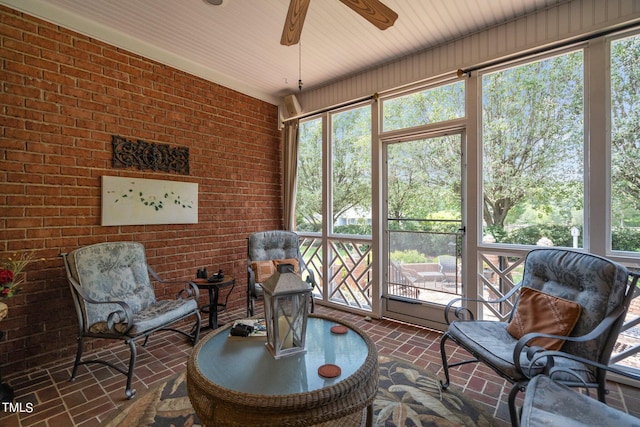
{"points": [[300, 66]]}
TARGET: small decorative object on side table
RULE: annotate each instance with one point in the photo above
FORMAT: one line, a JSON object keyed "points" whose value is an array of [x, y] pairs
{"points": [[213, 285]]}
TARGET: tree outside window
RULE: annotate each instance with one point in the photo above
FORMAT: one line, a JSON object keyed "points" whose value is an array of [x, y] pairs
{"points": [[625, 144], [533, 151]]}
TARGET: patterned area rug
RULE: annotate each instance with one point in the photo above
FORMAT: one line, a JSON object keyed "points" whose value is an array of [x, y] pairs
{"points": [[407, 397]]}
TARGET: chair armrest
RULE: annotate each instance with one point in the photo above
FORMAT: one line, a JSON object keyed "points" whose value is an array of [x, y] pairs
{"points": [[539, 352], [463, 313], [190, 289], [251, 282], [127, 318], [115, 317], [311, 278], [550, 369], [251, 277]]}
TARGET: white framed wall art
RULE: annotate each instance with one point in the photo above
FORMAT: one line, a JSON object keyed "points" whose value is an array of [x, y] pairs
{"points": [[139, 201]]}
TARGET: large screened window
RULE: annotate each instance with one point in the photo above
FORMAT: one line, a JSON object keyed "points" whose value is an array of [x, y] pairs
{"points": [[533, 152], [334, 206], [433, 105], [351, 171], [625, 144], [309, 190]]}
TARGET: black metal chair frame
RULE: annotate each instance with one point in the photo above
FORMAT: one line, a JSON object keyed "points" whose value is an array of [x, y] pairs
{"points": [[611, 325], [80, 296]]}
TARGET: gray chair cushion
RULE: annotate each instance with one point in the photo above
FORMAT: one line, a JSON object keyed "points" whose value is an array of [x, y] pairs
{"points": [[491, 341], [548, 403], [272, 245], [275, 244], [159, 314]]}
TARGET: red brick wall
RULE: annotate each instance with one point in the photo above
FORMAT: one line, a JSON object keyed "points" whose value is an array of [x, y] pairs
{"points": [[62, 97]]}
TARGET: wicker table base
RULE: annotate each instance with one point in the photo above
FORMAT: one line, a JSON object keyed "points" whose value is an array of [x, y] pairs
{"points": [[342, 402]]}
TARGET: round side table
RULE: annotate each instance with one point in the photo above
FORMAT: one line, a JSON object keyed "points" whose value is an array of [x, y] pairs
{"points": [[213, 288]]}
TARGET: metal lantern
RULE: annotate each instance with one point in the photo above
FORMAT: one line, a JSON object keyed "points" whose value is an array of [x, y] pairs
{"points": [[286, 302]]}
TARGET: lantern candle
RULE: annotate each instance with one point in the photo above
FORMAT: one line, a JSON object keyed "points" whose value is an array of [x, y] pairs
{"points": [[285, 332]]}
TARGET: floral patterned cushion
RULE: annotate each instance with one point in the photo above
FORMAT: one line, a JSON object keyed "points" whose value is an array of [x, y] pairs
{"points": [[112, 271], [161, 313]]}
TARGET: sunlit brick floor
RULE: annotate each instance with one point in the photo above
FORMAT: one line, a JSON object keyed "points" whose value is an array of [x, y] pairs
{"points": [[98, 392]]}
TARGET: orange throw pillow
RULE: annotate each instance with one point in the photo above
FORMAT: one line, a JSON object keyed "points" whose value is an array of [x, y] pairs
{"points": [[544, 313], [263, 270]]}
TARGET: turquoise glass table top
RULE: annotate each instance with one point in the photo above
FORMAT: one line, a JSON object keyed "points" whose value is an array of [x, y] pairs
{"points": [[245, 365]]}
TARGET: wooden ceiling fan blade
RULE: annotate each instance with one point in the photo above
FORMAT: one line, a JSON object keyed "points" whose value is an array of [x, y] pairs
{"points": [[373, 11], [294, 22]]}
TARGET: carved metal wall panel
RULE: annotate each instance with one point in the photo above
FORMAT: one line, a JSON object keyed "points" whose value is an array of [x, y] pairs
{"points": [[148, 155]]}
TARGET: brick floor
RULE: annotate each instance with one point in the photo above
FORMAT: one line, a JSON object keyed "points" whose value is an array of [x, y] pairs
{"points": [[98, 391]]}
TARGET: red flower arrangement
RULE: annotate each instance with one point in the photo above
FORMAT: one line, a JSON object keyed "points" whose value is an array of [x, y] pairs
{"points": [[10, 278]]}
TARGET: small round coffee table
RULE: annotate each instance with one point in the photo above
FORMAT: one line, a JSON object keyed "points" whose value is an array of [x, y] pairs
{"points": [[234, 381]]}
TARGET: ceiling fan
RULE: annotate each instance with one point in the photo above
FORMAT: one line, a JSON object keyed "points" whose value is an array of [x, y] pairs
{"points": [[372, 10]]}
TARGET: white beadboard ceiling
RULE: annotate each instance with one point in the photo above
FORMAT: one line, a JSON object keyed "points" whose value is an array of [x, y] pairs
{"points": [[237, 44]]}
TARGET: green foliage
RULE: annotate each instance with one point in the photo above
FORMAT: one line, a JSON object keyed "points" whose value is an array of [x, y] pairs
{"points": [[532, 158], [309, 189], [353, 229], [497, 232], [429, 106], [408, 257], [626, 239], [625, 131], [424, 178], [532, 135], [351, 161], [303, 226], [559, 235], [623, 239]]}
